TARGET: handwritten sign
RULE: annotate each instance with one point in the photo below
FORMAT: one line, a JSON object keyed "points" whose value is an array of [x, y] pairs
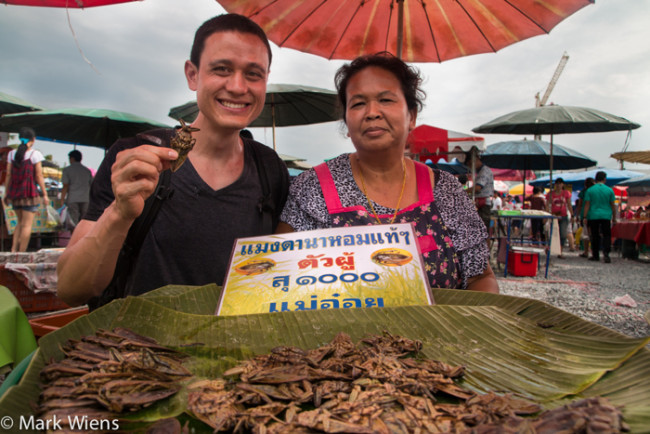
{"points": [[338, 268]]}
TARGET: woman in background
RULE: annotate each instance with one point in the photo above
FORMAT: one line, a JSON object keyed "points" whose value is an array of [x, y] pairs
{"points": [[24, 172]]}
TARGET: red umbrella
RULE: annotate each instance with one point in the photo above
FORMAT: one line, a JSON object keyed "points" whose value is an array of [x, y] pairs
{"points": [[74, 4], [512, 174], [414, 30]]}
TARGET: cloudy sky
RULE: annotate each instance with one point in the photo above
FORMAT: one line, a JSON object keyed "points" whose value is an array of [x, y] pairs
{"points": [[138, 49]]}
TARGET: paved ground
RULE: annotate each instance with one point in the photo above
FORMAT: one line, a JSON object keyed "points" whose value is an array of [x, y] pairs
{"points": [[589, 289]]}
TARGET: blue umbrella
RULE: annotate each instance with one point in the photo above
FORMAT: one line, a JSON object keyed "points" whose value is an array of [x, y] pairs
{"points": [[454, 167], [577, 179]]}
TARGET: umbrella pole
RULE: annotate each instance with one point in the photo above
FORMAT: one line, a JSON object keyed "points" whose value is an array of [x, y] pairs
{"points": [[273, 119], [523, 194], [550, 173], [400, 27]]}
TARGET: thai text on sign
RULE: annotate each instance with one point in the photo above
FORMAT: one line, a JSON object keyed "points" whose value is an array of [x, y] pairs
{"points": [[338, 268]]}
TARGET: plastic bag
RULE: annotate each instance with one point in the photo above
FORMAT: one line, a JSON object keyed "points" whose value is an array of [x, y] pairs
{"points": [[66, 218], [53, 219]]}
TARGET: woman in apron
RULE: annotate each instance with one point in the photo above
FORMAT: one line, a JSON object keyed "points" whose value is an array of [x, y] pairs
{"points": [[380, 96]]}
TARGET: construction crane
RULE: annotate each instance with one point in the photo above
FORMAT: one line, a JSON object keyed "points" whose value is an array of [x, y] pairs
{"points": [[539, 102]]}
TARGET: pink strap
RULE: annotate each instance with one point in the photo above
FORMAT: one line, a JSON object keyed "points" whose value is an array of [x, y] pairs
{"points": [[330, 193], [425, 191]]}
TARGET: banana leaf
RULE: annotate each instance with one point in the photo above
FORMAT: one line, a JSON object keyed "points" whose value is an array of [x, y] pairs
{"points": [[508, 344]]}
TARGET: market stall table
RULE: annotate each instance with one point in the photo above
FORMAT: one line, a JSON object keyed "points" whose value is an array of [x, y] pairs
{"points": [[632, 234], [634, 230], [532, 246], [31, 277]]}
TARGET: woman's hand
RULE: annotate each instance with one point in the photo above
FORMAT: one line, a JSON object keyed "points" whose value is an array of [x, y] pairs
{"points": [[135, 176]]}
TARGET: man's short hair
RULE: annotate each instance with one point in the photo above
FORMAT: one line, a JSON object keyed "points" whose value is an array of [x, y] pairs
{"points": [[559, 181], [75, 155], [600, 176], [225, 23]]}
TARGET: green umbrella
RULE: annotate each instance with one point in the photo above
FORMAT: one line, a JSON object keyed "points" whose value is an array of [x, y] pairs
{"points": [[556, 119], [11, 104], [286, 105], [80, 126]]}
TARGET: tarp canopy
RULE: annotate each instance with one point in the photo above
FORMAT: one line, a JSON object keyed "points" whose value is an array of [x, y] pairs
{"points": [[432, 143], [577, 179]]}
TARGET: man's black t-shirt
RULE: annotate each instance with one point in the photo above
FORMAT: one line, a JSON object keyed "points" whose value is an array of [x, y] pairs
{"points": [[191, 239]]}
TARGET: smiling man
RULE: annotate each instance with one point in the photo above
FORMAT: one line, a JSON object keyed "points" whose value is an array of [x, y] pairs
{"points": [[227, 188]]}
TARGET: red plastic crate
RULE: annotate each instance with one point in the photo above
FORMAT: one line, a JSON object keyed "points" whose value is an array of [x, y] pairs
{"points": [[28, 299], [522, 263]]}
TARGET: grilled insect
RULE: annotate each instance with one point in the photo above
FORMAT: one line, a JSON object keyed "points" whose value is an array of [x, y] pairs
{"points": [[182, 143]]}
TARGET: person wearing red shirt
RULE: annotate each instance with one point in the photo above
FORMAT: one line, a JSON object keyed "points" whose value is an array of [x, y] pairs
{"points": [[558, 202]]}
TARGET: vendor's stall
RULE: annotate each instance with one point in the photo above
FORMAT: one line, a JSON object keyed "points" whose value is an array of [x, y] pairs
{"points": [[506, 344], [31, 277]]}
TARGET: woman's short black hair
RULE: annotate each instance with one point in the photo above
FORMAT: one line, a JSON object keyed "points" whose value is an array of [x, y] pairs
{"points": [[408, 76], [225, 23]]}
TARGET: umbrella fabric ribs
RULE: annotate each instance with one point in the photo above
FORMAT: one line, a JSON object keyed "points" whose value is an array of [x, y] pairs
{"points": [[415, 30], [75, 4], [82, 126]]}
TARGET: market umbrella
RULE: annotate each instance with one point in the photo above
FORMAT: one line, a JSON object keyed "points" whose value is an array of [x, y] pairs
{"points": [[414, 30], [454, 167], [518, 190], [633, 156], [533, 155], [512, 174], [577, 179], [501, 186], [11, 104], [81, 126], [285, 105], [636, 185], [75, 4], [556, 119]]}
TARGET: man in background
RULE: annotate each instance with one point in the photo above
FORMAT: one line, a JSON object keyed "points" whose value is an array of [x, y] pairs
{"points": [[580, 207], [482, 187], [76, 187], [600, 209]]}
